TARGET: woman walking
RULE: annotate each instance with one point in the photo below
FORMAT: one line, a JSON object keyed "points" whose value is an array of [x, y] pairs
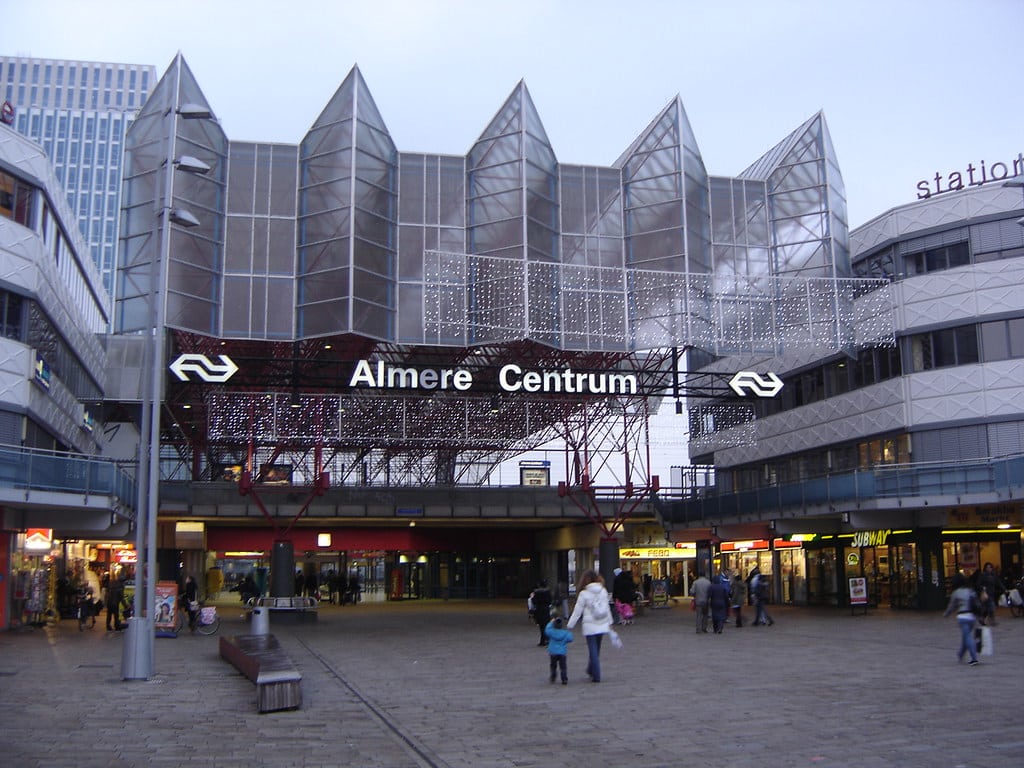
{"points": [[963, 603], [592, 607]]}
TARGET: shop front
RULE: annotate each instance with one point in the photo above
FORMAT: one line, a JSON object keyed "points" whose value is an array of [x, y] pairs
{"points": [[401, 563], [671, 568]]}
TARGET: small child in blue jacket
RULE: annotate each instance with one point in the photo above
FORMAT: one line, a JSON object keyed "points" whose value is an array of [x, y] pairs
{"points": [[558, 639]]}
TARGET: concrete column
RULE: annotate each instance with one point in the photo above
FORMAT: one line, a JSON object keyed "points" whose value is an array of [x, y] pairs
{"points": [[282, 569]]}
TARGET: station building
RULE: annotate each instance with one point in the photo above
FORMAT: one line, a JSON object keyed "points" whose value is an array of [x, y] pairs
{"points": [[328, 348], [880, 471]]}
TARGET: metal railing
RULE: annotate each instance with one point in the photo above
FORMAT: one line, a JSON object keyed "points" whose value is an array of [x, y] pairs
{"points": [[32, 469], [904, 481]]}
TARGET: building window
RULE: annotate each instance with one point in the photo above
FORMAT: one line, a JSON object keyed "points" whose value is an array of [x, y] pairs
{"points": [[938, 259], [945, 348], [11, 316], [16, 199]]}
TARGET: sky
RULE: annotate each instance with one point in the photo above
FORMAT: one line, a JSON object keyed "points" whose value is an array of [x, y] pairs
{"points": [[909, 88]]}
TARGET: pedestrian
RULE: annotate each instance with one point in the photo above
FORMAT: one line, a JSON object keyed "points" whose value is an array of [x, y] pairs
{"points": [[963, 603], [541, 597], [592, 608], [190, 600], [738, 588], [991, 585], [699, 590], [558, 638], [115, 596], [624, 594], [760, 586], [718, 604], [300, 583]]}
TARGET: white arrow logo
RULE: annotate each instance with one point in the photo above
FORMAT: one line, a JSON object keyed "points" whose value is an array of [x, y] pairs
{"points": [[749, 382], [202, 365]]}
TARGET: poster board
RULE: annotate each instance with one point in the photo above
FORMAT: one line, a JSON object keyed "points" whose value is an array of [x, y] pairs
{"points": [[859, 593], [166, 609]]}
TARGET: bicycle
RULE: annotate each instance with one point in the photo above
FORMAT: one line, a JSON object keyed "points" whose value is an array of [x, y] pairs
{"points": [[1014, 602], [207, 620]]}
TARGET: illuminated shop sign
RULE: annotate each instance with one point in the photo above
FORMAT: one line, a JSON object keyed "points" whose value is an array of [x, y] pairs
{"points": [[754, 545], [971, 176], [655, 553], [39, 539], [41, 372], [511, 378], [870, 538]]}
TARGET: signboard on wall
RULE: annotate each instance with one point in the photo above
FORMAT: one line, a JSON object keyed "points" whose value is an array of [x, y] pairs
{"points": [[534, 476]]}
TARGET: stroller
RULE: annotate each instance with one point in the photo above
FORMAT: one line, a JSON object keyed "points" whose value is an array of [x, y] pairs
{"points": [[625, 611]]}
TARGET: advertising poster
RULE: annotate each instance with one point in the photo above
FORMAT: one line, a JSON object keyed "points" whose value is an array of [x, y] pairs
{"points": [[166, 608], [859, 591]]}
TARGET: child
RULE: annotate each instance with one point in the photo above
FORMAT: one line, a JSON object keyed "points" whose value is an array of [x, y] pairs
{"points": [[558, 639]]}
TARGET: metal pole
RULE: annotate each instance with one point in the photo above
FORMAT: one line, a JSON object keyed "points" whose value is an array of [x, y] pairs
{"points": [[138, 662]]}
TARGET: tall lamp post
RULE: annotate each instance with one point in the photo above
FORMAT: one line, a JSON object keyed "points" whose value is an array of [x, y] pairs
{"points": [[137, 658]]}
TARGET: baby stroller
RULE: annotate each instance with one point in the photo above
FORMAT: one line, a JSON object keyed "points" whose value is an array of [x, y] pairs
{"points": [[625, 611]]}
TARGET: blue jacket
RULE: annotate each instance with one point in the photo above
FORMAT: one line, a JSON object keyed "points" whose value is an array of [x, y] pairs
{"points": [[557, 639]]}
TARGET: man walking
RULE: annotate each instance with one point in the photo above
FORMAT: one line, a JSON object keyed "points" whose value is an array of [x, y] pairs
{"points": [[699, 590]]}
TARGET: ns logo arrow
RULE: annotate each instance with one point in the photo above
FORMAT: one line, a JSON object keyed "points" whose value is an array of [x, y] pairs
{"points": [[204, 367], [751, 383]]}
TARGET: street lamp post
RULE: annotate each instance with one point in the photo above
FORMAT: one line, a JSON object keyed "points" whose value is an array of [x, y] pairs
{"points": [[137, 659]]}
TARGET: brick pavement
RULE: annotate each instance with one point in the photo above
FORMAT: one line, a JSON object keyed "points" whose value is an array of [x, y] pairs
{"points": [[462, 684]]}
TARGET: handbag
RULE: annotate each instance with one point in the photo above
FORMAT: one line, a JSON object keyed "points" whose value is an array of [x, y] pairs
{"points": [[193, 605], [986, 641]]}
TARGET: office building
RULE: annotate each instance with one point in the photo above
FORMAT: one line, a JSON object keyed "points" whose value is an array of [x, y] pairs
{"points": [[79, 111]]}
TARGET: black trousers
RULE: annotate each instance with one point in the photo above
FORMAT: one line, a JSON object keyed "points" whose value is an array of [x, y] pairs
{"points": [[558, 664]]}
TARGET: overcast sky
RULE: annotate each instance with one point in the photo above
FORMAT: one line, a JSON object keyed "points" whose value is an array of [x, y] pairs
{"points": [[909, 88]]}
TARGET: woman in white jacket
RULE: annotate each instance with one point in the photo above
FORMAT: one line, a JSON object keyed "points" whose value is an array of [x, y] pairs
{"points": [[592, 607]]}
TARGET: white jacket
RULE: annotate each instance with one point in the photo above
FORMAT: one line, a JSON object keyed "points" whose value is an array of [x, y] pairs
{"points": [[593, 595]]}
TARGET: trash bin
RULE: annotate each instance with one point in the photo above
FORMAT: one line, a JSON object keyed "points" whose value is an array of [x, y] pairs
{"points": [[260, 621]]}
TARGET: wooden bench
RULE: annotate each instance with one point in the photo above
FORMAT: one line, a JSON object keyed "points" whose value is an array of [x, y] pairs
{"points": [[260, 658]]}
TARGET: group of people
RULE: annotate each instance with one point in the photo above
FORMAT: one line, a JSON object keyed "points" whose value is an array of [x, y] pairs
{"points": [[336, 587], [715, 598], [592, 608]]}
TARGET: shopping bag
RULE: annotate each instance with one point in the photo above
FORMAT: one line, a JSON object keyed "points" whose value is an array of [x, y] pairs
{"points": [[614, 637], [986, 642]]}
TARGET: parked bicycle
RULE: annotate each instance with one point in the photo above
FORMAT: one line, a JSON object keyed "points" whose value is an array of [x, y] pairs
{"points": [[207, 620]]}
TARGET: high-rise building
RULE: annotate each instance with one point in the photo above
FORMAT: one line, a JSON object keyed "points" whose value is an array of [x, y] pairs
{"points": [[79, 112]]}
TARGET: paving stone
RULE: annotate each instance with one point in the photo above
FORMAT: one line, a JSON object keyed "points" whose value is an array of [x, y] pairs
{"points": [[460, 684]]}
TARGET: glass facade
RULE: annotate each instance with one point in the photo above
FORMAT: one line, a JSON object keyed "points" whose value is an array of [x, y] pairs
{"points": [[345, 234]]}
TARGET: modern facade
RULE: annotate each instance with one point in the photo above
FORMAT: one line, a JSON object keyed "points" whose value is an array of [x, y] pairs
{"points": [[79, 112], [52, 360], [901, 464], [333, 344]]}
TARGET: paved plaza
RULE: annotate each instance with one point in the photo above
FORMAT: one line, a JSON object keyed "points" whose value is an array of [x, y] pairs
{"points": [[463, 684]]}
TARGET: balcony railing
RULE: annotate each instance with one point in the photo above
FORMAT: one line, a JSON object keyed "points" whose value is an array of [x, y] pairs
{"points": [[36, 470], [904, 481]]}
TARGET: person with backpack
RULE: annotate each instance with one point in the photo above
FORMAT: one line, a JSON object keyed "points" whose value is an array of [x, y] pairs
{"points": [[592, 608]]}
